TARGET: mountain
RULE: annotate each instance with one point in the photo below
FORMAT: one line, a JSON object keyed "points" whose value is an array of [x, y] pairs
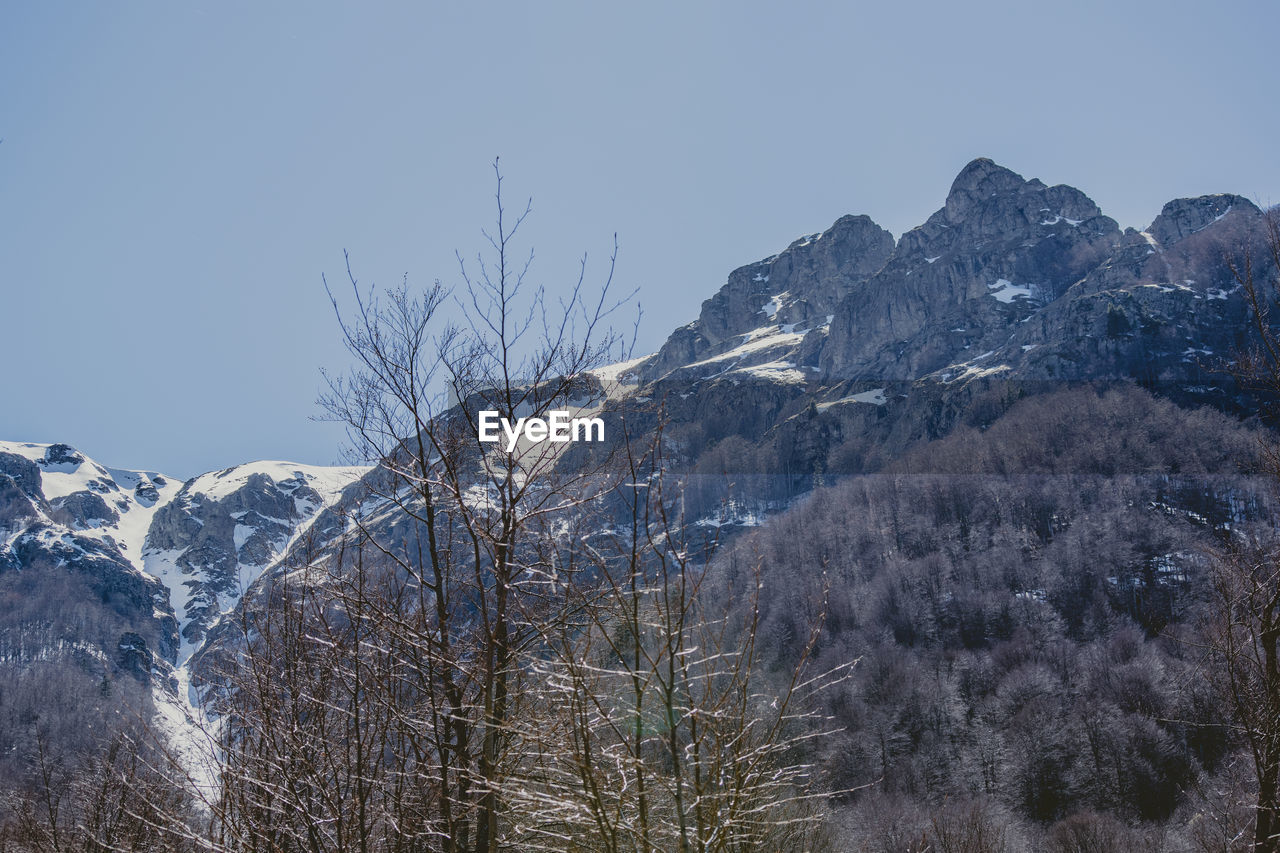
{"points": [[166, 559], [847, 352], [221, 530], [60, 510], [1007, 266], [847, 345], [844, 336]]}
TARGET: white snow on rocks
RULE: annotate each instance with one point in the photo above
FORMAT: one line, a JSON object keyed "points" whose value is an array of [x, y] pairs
{"points": [[133, 495], [328, 481], [874, 397], [1006, 291], [755, 341], [775, 371], [775, 304], [619, 375]]}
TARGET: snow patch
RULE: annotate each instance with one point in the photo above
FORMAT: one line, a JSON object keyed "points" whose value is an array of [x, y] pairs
{"points": [[784, 372], [1006, 291], [616, 377], [755, 341], [328, 481], [874, 397], [241, 535], [774, 305]]}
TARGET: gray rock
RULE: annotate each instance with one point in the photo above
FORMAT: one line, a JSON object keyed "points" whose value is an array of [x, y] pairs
{"points": [[212, 552], [15, 504], [959, 285], [62, 454], [84, 509], [1183, 217], [134, 658], [25, 473], [796, 289]]}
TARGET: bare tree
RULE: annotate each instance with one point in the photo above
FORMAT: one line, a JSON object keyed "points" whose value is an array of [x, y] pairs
{"points": [[671, 732], [503, 650], [447, 532], [114, 797], [1244, 628], [1244, 638]]}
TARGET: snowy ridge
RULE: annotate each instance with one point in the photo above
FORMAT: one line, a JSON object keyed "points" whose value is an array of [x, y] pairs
{"points": [[131, 498], [224, 529], [755, 342], [618, 378], [328, 481], [83, 508]]}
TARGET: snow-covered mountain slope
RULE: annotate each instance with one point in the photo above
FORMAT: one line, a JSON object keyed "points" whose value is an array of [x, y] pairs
{"points": [[172, 557], [223, 529], [63, 513], [110, 505], [167, 559]]}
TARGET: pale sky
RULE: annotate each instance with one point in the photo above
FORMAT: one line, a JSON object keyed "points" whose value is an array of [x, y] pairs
{"points": [[176, 177]]}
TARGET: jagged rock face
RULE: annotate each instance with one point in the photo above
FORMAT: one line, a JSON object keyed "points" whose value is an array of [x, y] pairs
{"points": [[999, 249], [1010, 276], [134, 657], [222, 530], [1186, 216], [61, 512], [15, 504], [1160, 311], [86, 509], [62, 454], [1011, 283], [795, 289], [25, 473]]}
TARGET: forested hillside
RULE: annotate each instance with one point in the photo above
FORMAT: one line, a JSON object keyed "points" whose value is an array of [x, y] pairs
{"points": [[1026, 605]]}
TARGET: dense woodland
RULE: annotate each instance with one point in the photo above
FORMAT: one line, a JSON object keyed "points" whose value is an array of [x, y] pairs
{"points": [[1027, 618]]}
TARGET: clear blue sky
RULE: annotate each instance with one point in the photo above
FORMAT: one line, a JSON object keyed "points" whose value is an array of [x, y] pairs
{"points": [[175, 177]]}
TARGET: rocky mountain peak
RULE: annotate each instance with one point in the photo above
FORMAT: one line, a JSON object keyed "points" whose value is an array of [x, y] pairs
{"points": [[770, 305], [1183, 217], [1011, 277], [62, 454], [988, 201], [979, 180], [849, 301]]}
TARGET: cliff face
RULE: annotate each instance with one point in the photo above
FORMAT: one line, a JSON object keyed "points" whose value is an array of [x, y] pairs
{"points": [[999, 250], [64, 515], [1009, 275], [790, 294], [1011, 287]]}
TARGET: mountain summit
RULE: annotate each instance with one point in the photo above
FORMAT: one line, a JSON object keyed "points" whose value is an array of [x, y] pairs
{"points": [[999, 271]]}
